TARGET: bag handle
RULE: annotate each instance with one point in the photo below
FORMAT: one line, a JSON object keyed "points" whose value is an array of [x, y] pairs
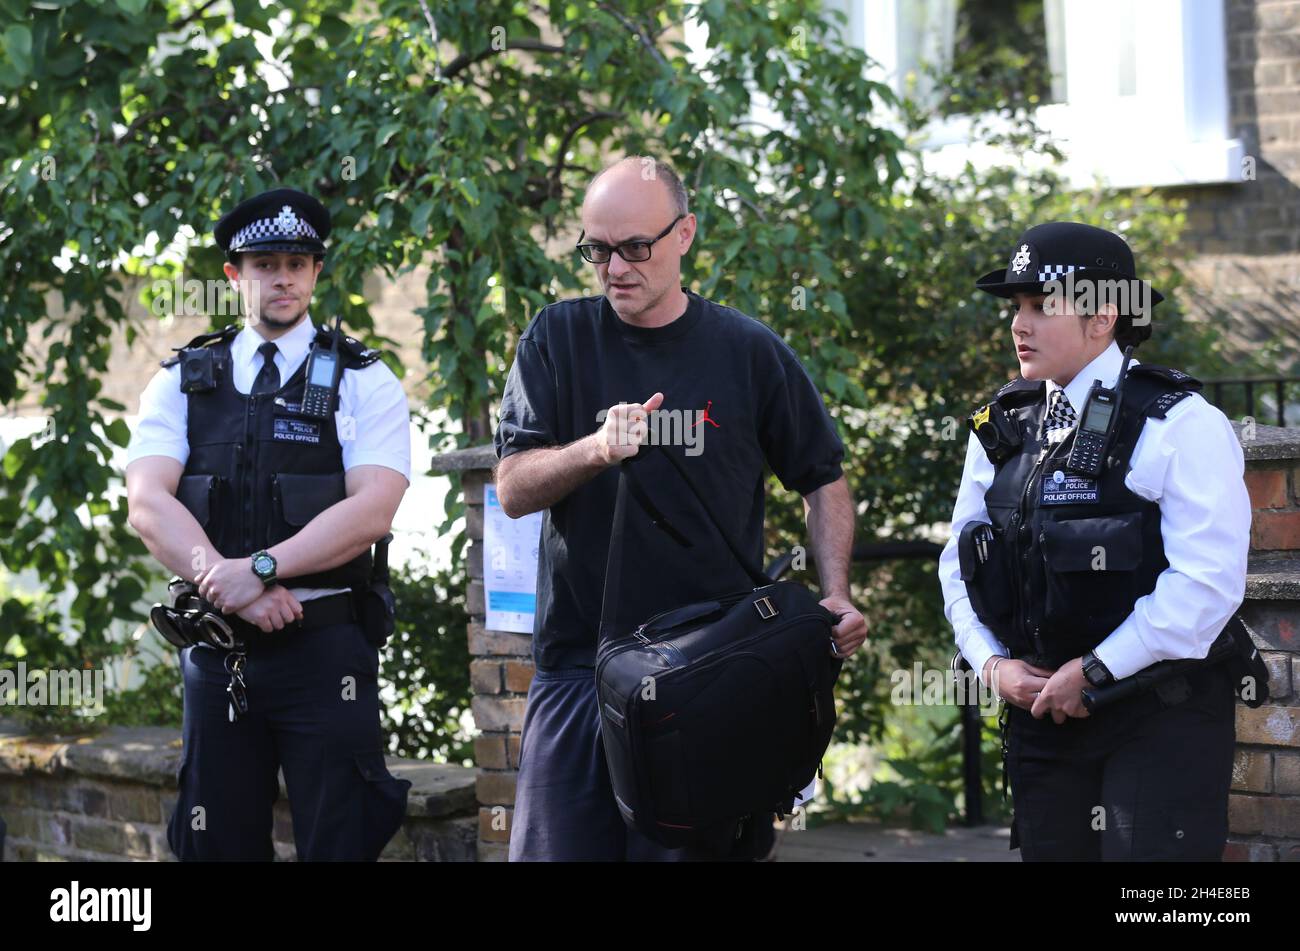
{"points": [[628, 482]]}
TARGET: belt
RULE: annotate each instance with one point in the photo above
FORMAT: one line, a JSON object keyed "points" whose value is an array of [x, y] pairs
{"points": [[318, 612]]}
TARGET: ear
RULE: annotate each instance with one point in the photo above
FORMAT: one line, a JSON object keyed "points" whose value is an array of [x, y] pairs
{"points": [[1104, 320], [686, 233], [232, 272]]}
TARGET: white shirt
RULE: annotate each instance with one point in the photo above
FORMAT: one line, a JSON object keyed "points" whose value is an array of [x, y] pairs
{"points": [[1191, 463], [372, 397]]}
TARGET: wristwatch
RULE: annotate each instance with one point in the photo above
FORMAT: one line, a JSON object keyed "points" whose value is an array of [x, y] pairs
{"points": [[264, 567], [1096, 671]]}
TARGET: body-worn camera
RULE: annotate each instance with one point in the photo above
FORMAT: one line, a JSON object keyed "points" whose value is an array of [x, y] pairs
{"points": [[198, 370], [997, 432]]}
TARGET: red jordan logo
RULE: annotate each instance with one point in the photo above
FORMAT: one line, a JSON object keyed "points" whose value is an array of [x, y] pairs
{"points": [[706, 418]]}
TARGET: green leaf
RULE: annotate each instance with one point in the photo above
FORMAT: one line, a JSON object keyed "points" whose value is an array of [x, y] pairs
{"points": [[18, 47], [118, 433], [420, 218]]}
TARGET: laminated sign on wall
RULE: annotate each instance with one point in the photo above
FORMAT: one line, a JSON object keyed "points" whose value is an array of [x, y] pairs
{"points": [[509, 566]]}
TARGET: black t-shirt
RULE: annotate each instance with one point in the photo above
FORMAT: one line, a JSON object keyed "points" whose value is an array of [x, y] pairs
{"points": [[577, 358]]}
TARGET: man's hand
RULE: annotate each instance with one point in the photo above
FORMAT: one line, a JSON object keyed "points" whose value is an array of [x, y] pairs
{"points": [[851, 631], [229, 584], [273, 610], [1063, 695], [625, 429], [1017, 682]]}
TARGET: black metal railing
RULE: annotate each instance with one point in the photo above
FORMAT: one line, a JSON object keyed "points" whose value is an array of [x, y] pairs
{"points": [[1276, 386]]}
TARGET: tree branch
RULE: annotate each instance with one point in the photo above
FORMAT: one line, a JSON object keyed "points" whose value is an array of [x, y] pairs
{"points": [[636, 30], [573, 130], [193, 16], [466, 60]]}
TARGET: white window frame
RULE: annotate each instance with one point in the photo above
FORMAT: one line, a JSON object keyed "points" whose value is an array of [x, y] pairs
{"points": [[1173, 131]]}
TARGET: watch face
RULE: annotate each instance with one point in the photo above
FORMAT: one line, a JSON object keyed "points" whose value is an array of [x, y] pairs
{"points": [[263, 565]]}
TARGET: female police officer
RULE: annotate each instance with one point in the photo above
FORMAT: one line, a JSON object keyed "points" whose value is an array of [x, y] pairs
{"points": [[266, 462], [1099, 529]]}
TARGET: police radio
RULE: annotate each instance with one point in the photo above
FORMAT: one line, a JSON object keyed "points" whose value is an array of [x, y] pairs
{"points": [[1097, 425], [323, 368]]}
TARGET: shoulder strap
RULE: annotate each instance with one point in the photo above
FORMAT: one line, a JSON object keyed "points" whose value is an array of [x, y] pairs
{"points": [[627, 482], [1020, 392], [202, 340]]}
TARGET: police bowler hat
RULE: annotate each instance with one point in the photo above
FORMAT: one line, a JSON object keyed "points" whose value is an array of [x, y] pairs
{"points": [[283, 219]]}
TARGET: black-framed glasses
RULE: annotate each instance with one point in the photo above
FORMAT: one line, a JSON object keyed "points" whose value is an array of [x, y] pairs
{"points": [[631, 251]]}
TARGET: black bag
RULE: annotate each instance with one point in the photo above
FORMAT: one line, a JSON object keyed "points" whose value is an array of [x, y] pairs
{"points": [[713, 711]]}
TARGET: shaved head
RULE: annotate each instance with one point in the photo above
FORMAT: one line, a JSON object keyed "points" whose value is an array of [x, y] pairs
{"points": [[651, 170]]}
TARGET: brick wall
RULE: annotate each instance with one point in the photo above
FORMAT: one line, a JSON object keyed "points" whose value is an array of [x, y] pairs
{"points": [[1264, 807], [501, 668], [108, 798], [1245, 237]]}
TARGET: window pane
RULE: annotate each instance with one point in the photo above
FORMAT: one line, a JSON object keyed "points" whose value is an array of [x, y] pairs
{"points": [[1001, 55]]}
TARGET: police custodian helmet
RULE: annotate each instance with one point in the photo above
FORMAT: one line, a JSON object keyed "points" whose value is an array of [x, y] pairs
{"points": [[1049, 252], [283, 219]]}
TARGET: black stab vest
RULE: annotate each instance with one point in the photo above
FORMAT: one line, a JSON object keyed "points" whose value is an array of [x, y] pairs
{"points": [[1069, 557], [258, 469]]}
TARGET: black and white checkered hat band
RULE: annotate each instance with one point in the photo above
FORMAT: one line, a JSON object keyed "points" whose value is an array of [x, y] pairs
{"points": [[1050, 272], [285, 226]]}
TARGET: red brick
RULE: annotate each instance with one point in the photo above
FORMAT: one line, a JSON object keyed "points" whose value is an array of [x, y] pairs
{"points": [[1279, 673], [490, 752], [474, 519], [1252, 771], [498, 714], [472, 482], [494, 823], [519, 674], [1245, 817], [1268, 725], [483, 642], [1267, 488], [1286, 774], [1275, 531], [496, 788], [512, 748], [1237, 851], [485, 676]]}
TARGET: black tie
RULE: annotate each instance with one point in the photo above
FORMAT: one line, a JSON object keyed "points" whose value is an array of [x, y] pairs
{"points": [[268, 378]]}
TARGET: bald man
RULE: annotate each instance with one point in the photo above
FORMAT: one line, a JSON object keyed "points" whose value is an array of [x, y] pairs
{"points": [[593, 380]]}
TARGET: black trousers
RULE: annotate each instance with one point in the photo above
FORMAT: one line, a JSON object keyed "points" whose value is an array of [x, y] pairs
{"points": [[1144, 780], [313, 711]]}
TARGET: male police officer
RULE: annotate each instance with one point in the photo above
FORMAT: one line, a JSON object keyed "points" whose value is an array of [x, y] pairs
{"points": [[261, 476], [568, 418], [1097, 533]]}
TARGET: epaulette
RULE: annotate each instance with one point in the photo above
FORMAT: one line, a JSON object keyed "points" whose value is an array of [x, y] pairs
{"points": [[202, 340], [1178, 378], [1019, 392], [356, 354], [1168, 387]]}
